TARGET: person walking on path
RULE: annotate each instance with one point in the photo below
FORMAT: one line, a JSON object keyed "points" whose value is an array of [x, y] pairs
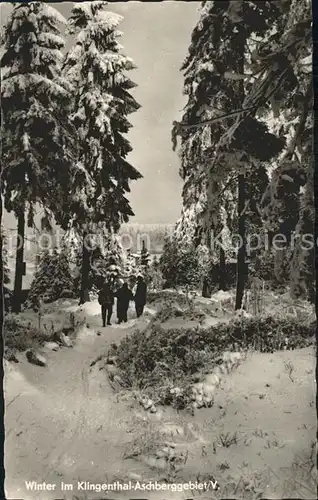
{"points": [[140, 296], [106, 300], [124, 296]]}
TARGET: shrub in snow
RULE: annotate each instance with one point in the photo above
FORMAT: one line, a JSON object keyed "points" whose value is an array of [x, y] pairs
{"points": [[173, 357]]}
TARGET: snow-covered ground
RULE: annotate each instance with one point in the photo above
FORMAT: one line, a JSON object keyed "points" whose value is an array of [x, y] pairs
{"points": [[64, 423]]}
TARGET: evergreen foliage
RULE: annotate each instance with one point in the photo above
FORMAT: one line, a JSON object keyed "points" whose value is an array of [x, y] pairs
{"points": [[130, 267], [302, 275], [52, 279], [38, 142], [248, 82], [216, 153], [180, 266], [192, 351], [144, 256], [114, 260], [102, 103], [97, 69], [39, 147], [288, 202], [154, 277], [245, 148]]}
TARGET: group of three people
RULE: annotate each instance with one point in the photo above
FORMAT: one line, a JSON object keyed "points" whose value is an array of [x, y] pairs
{"points": [[124, 295]]}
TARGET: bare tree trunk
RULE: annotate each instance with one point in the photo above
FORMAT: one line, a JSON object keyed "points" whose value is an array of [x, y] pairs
{"points": [[206, 289], [206, 285], [2, 305], [241, 275], [2, 494], [19, 264], [84, 294], [222, 271]]}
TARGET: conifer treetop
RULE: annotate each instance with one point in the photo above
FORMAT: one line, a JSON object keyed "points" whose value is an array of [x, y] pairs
{"points": [[32, 42], [39, 150], [97, 68]]}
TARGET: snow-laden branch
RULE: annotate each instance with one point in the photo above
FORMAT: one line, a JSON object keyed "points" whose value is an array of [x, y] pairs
{"points": [[178, 126], [301, 124], [230, 75]]}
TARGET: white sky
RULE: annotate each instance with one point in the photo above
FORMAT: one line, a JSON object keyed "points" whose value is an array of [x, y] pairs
{"points": [[156, 36]]}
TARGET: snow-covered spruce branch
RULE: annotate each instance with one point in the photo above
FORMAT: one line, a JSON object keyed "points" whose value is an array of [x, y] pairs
{"points": [[260, 101], [230, 75], [225, 187], [301, 124], [231, 114], [290, 151], [178, 127]]}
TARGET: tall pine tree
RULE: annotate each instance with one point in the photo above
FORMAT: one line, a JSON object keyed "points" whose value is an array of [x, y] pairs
{"points": [[288, 203], [222, 141], [144, 256], [98, 69], [38, 143]]}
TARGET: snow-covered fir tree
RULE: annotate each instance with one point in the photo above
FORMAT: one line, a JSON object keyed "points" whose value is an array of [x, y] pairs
{"points": [[144, 256], [98, 70], [71, 241], [220, 143], [52, 280], [131, 267], [287, 204], [38, 142], [114, 260]]}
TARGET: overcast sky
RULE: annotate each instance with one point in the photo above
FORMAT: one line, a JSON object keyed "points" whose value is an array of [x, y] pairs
{"points": [[156, 36]]}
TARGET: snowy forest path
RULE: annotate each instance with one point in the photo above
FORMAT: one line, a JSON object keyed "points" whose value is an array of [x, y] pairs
{"points": [[63, 420]]}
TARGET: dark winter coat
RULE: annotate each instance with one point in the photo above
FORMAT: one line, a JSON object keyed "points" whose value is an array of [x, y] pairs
{"points": [[141, 293], [106, 296], [124, 296]]}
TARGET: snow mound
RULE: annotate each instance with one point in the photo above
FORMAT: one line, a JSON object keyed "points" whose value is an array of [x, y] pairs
{"points": [[91, 308], [222, 296]]}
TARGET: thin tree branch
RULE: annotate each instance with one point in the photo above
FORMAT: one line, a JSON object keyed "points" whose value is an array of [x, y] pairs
{"points": [[228, 184], [254, 107], [213, 120]]}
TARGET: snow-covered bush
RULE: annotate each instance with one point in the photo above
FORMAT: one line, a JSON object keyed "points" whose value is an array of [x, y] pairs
{"points": [[173, 357]]}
